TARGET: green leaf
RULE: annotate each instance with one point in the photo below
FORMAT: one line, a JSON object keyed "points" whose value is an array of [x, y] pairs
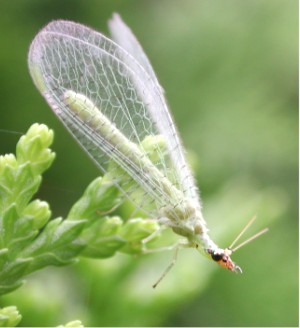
{"points": [[11, 272], [38, 212], [57, 244], [33, 148], [102, 238], [100, 197], [18, 184], [7, 225]]}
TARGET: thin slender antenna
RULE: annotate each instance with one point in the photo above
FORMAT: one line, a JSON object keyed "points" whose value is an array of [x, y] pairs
{"points": [[250, 239], [243, 231], [10, 132]]}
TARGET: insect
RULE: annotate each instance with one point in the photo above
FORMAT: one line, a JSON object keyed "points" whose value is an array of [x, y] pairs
{"points": [[107, 95]]}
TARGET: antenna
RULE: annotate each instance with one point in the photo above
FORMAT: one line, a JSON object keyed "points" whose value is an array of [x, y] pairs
{"points": [[11, 132], [248, 240]]}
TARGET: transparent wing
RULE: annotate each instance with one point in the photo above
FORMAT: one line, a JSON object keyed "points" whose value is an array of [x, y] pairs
{"points": [[123, 36], [69, 56]]}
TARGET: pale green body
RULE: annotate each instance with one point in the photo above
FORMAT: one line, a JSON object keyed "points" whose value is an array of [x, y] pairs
{"points": [[182, 217]]}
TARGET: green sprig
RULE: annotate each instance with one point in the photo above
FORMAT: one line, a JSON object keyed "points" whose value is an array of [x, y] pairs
{"points": [[30, 241], [24, 247]]}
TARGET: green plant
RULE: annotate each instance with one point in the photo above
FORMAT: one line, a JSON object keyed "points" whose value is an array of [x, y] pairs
{"points": [[31, 240]]}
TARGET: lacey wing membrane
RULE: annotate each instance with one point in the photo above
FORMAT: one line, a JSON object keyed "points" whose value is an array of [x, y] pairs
{"points": [[122, 34], [69, 56]]}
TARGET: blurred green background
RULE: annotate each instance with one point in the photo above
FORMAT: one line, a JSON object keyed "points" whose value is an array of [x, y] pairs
{"points": [[230, 71]]}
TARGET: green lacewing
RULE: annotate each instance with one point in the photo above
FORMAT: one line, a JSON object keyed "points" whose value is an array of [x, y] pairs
{"points": [[107, 95]]}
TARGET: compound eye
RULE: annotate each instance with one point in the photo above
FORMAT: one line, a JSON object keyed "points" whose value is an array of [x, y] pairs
{"points": [[217, 257]]}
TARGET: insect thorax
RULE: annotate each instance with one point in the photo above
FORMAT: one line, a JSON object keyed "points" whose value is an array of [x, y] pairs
{"points": [[186, 220]]}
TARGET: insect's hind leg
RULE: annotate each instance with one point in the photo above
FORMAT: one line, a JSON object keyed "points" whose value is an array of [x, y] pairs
{"points": [[169, 267], [153, 235], [176, 246], [164, 224]]}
